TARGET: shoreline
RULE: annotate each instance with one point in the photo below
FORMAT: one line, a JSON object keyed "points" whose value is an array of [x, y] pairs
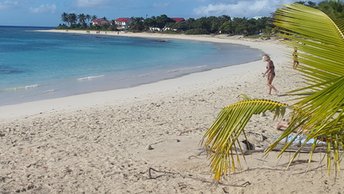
{"points": [[79, 101], [205, 38]]}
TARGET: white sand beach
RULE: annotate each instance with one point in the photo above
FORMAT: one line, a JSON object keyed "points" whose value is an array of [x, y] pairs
{"points": [[146, 139]]}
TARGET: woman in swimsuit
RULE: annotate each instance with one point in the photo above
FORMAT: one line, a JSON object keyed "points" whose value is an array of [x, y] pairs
{"points": [[295, 58], [270, 72]]}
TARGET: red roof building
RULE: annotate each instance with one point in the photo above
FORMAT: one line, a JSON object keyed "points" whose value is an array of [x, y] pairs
{"points": [[122, 23], [122, 20], [178, 19], [100, 22]]}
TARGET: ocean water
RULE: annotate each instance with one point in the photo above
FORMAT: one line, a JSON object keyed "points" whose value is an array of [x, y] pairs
{"points": [[38, 65]]}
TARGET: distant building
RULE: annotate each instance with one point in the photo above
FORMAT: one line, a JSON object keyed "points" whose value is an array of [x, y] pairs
{"points": [[100, 22], [154, 29], [169, 29], [178, 19], [122, 23]]}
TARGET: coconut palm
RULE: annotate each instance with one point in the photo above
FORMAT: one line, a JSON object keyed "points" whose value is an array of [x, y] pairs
{"points": [[319, 109], [72, 18], [64, 17], [88, 18], [82, 18]]}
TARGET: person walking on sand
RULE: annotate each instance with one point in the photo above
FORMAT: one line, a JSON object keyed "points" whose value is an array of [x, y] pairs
{"points": [[295, 58], [270, 72]]}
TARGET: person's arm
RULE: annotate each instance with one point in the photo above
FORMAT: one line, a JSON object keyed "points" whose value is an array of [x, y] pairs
{"points": [[268, 69]]}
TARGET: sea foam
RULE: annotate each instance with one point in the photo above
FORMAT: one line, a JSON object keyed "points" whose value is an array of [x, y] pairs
{"points": [[28, 87], [181, 69], [90, 78]]}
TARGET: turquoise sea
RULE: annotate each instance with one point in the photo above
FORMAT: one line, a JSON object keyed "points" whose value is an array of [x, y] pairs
{"points": [[39, 65]]}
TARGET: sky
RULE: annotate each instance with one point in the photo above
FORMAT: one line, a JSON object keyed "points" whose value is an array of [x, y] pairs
{"points": [[48, 12]]}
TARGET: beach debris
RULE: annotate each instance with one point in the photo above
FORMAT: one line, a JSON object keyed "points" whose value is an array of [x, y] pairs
{"points": [[150, 147], [225, 190], [203, 151], [25, 189], [246, 147], [154, 174], [244, 184], [182, 186], [264, 137], [249, 146]]}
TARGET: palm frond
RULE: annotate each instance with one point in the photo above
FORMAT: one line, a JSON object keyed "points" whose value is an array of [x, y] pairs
{"points": [[221, 139], [319, 114], [319, 111], [318, 38]]}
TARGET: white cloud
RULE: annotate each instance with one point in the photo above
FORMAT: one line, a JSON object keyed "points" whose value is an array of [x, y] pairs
{"points": [[90, 3], [44, 8], [7, 4], [245, 8]]}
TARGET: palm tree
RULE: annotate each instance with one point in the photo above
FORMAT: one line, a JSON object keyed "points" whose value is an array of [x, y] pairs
{"points": [[72, 18], [88, 18], [82, 19], [64, 17], [93, 17], [319, 108]]}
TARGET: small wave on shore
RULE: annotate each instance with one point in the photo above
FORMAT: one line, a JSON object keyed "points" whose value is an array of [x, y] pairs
{"points": [[49, 91], [27, 87], [182, 69], [89, 78]]}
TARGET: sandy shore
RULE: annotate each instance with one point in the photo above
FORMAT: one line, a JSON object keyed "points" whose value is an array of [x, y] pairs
{"points": [[146, 139]]}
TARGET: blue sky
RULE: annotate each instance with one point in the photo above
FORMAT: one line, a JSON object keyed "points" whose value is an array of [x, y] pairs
{"points": [[48, 12]]}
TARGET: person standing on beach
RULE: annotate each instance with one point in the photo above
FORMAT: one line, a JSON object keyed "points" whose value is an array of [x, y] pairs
{"points": [[295, 58], [270, 72]]}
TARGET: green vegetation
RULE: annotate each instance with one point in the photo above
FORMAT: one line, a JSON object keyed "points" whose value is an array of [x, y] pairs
{"points": [[76, 21], [82, 22], [318, 113], [334, 8], [251, 27], [204, 25]]}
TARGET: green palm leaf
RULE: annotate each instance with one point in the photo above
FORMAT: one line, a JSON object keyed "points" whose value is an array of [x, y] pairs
{"points": [[317, 37], [319, 114], [222, 138]]}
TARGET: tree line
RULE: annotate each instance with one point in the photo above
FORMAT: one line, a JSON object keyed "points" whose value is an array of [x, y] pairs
{"points": [[205, 25], [76, 20], [333, 8]]}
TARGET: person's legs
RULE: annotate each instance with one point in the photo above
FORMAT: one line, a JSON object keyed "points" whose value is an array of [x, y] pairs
{"points": [[296, 63], [271, 87]]}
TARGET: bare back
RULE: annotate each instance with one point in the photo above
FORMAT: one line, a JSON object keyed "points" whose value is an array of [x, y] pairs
{"points": [[271, 68]]}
